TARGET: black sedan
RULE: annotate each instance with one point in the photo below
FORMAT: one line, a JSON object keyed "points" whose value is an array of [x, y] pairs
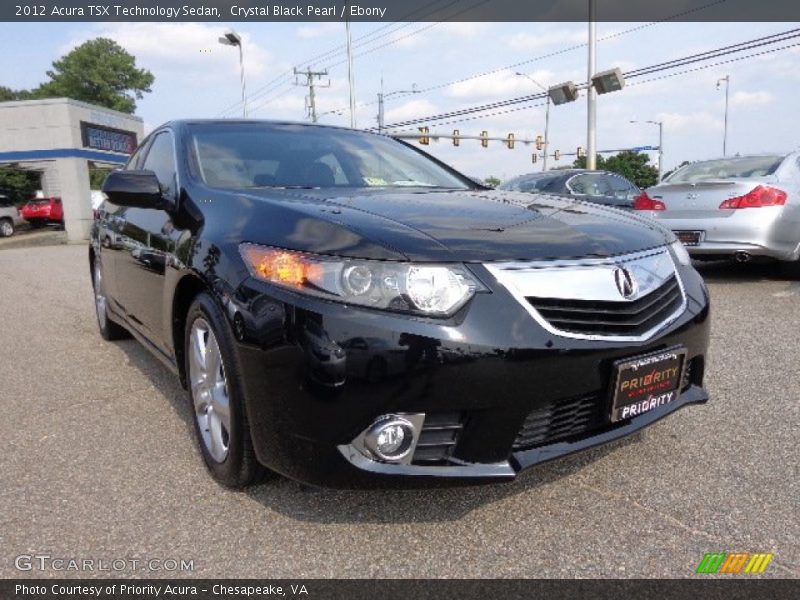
{"points": [[347, 311], [600, 187]]}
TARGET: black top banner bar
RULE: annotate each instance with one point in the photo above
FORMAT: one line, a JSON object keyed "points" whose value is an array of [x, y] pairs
{"points": [[397, 10]]}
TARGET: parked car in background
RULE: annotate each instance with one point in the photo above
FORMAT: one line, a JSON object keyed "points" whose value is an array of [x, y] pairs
{"points": [[738, 206], [43, 211], [348, 311], [600, 187], [9, 216]]}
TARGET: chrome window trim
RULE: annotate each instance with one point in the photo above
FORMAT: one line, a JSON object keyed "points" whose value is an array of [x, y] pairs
{"points": [[504, 273]]}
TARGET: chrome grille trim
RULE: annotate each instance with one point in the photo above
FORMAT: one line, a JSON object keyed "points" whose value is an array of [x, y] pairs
{"points": [[592, 280]]}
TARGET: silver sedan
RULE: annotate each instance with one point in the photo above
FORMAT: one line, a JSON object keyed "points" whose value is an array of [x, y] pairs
{"points": [[739, 207]]}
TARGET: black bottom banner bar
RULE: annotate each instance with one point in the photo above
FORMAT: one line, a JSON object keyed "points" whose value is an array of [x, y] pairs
{"points": [[417, 589]]}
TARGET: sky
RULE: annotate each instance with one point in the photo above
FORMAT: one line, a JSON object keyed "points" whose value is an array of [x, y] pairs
{"points": [[195, 76]]}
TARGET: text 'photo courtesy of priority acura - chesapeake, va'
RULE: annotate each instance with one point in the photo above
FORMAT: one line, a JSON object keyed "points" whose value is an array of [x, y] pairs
{"points": [[347, 311]]}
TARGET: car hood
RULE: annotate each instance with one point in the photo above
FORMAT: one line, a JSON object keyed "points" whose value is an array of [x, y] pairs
{"points": [[470, 225]]}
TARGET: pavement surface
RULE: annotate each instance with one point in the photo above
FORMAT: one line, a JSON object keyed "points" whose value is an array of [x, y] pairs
{"points": [[99, 462]]}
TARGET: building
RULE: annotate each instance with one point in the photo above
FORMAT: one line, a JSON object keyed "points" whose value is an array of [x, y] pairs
{"points": [[61, 138]]}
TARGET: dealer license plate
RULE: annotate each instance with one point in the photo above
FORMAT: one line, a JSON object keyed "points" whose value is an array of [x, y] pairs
{"points": [[689, 238], [646, 382]]}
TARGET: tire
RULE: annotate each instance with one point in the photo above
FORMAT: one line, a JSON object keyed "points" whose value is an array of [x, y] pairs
{"points": [[109, 330], [6, 227], [217, 398], [37, 223]]}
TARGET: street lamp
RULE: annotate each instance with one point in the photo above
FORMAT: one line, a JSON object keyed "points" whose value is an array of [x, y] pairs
{"points": [[382, 97], [546, 117], [727, 80], [660, 145], [231, 38]]}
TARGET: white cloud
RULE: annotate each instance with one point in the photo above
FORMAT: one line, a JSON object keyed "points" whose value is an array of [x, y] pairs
{"points": [[501, 84], [675, 122], [751, 98], [525, 42], [411, 110], [181, 46], [308, 32]]}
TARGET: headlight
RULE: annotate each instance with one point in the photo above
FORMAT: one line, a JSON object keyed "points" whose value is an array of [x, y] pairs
{"points": [[427, 289], [680, 252]]}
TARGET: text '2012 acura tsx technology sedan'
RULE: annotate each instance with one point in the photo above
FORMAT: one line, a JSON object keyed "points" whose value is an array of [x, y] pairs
{"points": [[348, 311]]}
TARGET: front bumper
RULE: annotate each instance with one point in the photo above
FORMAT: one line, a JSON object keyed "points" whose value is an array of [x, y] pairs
{"points": [[492, 365]]}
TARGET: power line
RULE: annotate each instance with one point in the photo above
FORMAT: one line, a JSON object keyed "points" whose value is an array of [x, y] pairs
{"points": [[390, 42], [691, 59], [285, 77], [644, 81]]}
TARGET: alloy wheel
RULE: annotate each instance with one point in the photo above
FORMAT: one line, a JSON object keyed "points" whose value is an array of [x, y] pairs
{"points": [[209, 390], [99, 295]]}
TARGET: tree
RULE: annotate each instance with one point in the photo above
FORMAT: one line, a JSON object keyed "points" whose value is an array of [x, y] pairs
{"points": [[100, 72], [630, 164], [19, 184], [580, 162], [492, 181]]}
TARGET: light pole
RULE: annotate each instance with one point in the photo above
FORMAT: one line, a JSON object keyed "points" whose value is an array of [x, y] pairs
{"points": [[351, 74], [727, 80], [660, 145], [231, 38], [382, 97], [546, 118], [591, 95]]}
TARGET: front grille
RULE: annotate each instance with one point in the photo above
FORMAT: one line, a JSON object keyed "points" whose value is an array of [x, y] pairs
{"points": [[560, 420], [608, 318], [438, 438]]}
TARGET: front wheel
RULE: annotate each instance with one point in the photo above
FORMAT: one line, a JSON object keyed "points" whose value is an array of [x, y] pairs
{"points": [[109, 330], [6, 228], [215, 390]]}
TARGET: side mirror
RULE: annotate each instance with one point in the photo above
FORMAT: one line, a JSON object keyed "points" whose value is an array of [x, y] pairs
{"points": [[139, 189]]}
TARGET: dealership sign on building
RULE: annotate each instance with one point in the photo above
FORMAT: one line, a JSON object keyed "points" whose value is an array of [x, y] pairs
{"points": [[107, 138]]}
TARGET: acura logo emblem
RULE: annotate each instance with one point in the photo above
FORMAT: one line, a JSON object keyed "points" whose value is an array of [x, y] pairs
{"points": [[626, 282]]}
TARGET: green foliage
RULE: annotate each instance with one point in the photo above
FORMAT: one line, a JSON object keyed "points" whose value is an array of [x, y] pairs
{"points": [[99, 72], [97, 177], [633, 165], [492, 181], [19, 184]]}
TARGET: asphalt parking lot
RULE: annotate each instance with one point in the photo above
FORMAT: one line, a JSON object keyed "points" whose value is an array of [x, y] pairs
{"points": [[99, 462]]}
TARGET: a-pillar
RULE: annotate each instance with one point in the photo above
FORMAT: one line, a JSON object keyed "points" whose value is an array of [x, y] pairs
{"points": [[76, 197]]}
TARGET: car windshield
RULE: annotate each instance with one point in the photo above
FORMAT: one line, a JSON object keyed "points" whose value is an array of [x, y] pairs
{"points": [[252, 155], [745, 167], [529, 183]]}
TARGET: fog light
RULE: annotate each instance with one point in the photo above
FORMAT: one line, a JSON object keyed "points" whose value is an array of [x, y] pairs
{"points": [[390, 439]]}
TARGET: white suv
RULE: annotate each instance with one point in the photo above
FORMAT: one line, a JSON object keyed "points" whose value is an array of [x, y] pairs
{"points": [[9, 216]]}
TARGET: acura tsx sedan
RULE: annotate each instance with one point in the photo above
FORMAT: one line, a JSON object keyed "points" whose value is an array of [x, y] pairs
{"points": [[347, 311]]}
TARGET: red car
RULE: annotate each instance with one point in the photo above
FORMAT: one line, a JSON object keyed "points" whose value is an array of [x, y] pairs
{"points": [[41, 211]]}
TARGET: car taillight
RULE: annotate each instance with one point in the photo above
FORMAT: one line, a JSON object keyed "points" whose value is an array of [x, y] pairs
{"points": [[762, 195], [645, 202]]}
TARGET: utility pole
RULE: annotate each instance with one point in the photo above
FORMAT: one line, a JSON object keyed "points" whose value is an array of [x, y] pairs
{"points": [[591, 97], [382, 97], [312, 102], [727, 80], [546, 118]]}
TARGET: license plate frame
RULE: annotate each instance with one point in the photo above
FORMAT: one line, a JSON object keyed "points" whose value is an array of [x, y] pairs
{"points": [[641, 395], [690, 237]]}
